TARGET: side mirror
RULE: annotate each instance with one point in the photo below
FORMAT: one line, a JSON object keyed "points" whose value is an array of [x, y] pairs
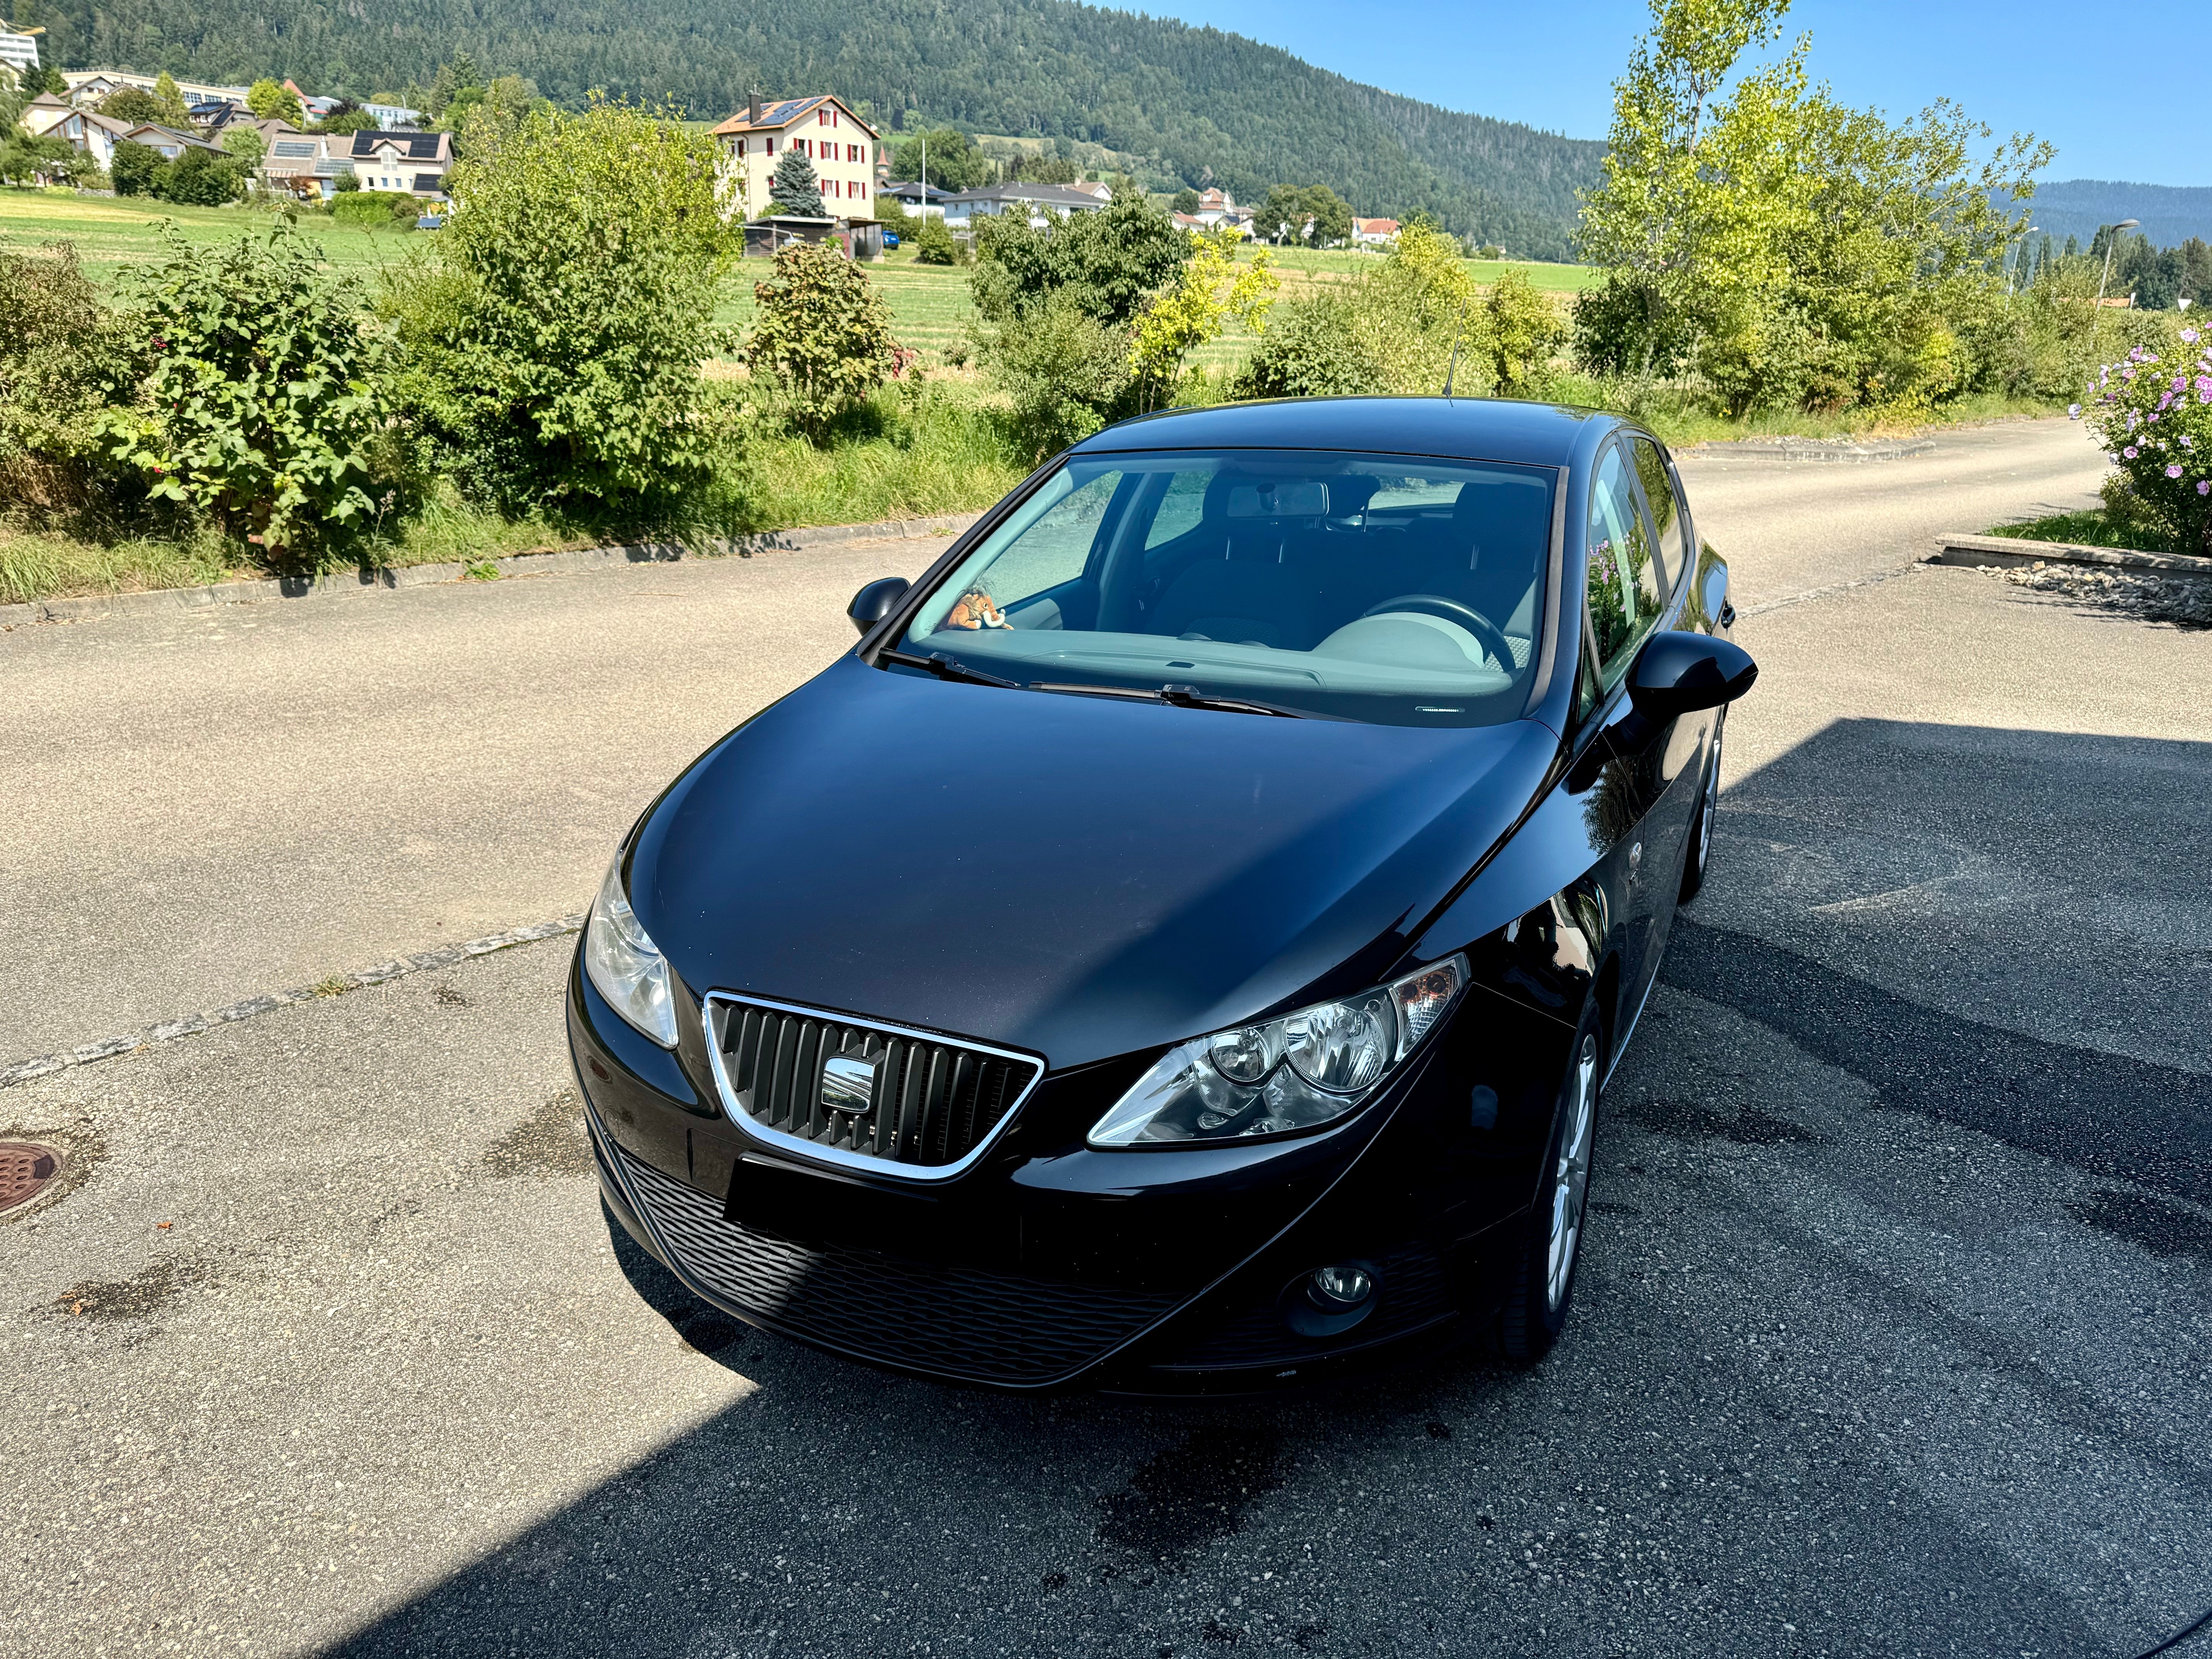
{"points": [[877, 601], [1681, 673]]}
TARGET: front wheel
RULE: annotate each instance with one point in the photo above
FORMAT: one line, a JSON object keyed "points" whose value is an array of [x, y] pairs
{"points": [[1701, 832], [1543, 1281]]}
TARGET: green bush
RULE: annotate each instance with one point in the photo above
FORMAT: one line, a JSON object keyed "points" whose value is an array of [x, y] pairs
{"points": [[553, 334], [2153, 412], [1112, 261], [380, 208], [199, 178], [266, 392], [824, 335], [134, 168], [63, 354], [1064, 372], [933, 244], [1311, 348]]}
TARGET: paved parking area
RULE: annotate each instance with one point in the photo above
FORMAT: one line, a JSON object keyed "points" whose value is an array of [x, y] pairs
{"points": [[1894, 1336]]}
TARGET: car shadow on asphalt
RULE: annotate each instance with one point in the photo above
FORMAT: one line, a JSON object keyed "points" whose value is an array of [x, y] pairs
{"points": [[841, 1509]]}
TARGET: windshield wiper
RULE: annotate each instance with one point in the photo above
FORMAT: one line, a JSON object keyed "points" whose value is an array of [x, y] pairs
{"points": [[1189, 696], [1176, 697], [947, 668]]}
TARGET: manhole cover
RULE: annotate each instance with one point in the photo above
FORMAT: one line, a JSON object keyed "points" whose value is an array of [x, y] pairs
{"points": [[24, 1171]]}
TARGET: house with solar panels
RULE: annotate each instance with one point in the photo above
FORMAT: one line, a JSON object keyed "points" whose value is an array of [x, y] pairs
{"points": [[844, 150], [411, 163]]}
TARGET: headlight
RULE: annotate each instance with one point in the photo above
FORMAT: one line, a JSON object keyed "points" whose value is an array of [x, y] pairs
{"points": [[1296, 1073], [629, 970]]}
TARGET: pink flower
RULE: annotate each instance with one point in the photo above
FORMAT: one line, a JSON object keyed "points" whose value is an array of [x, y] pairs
{"points": [[2073, 411], [2129, 452], [2173, 471], [2204, 487], [2188, 336], [2204, 383]]}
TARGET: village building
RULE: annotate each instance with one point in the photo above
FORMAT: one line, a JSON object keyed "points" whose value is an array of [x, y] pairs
{"points": [[841, 147]]}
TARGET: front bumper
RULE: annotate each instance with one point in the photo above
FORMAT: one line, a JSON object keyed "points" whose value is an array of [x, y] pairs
{"points": [[1050, 1266]]}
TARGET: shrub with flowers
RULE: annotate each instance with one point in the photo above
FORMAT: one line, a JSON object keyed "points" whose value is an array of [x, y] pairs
{"points": [[2153, 412]]}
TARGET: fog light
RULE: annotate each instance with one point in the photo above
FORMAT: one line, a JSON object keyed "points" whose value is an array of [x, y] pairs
{"points": [[1341, 1289], [1330, 1301]]}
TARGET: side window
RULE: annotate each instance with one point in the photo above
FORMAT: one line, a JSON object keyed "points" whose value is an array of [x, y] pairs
{"points": [[1180, 508], [1666, 511], [1056, 547], [1623, 592]]}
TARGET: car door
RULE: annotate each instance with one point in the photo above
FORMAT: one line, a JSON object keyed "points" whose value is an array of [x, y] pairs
{"points": [[1679, 753], [1621, 778]]}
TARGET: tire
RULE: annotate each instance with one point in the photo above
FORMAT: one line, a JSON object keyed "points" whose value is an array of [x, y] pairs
{"points": [[1540, 1290], [1701, 829]]}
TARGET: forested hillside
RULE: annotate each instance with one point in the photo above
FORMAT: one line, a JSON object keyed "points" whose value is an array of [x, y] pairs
{"points": [[1208, 107], [2079, 208]]}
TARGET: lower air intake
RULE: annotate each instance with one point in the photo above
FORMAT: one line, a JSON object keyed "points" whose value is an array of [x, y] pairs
{"points": [[949, 1321]]}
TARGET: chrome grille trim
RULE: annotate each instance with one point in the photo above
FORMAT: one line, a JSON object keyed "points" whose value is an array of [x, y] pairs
{"points": [[926, 1067]]}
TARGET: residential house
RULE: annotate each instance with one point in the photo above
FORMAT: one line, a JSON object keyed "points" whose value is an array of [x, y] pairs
{"points": [[171, 143], [393, 118], [91, 86], [1218, 208], [1374, 232], [414, 163], [1103, 191], [824, 129], [42, 113], [918, 198], [304, 163], [86, 130], [19, 48], [1031, 200]]}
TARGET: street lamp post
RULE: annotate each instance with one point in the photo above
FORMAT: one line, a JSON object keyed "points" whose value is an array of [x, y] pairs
{"points": [[2097, 321]]}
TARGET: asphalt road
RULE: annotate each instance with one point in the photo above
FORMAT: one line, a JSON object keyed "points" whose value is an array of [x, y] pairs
{"points": [[1895, 1335]]}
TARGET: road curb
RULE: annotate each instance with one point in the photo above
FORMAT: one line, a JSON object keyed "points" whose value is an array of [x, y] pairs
{"points": [[169, 1030], [2010, 552], [391, 579], [1815, 452]]}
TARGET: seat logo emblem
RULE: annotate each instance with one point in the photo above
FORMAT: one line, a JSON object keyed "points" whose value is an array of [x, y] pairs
{"points": [[848, 1084]]}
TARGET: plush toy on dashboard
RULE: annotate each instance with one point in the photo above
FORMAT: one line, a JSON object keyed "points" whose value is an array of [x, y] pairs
{"points": [[977, 608]]}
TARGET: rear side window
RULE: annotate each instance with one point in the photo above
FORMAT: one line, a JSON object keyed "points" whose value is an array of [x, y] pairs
{"points": [[1666, 511], [1622, 581]]}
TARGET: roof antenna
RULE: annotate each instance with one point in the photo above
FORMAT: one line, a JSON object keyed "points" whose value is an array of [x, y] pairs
{"points": [[1458, 328]]}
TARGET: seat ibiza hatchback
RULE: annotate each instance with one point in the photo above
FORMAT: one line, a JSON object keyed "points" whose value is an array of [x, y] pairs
{"points": [[1182, 947]]}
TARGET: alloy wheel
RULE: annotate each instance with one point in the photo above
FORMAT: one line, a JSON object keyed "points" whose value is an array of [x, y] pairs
{"points": [[1713, 803], [1570, 1182]]}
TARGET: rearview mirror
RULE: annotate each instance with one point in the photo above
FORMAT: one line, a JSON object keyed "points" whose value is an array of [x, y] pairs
{"points": [[1679, 673], [877, 601]]}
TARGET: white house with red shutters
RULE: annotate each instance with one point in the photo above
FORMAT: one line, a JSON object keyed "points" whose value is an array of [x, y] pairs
{"points": [[841, 146]]}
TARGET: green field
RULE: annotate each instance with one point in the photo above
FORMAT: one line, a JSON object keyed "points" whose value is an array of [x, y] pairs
{"points": [[930, 304], [111, 233]]}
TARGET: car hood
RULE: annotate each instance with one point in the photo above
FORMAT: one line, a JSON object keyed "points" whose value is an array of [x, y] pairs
{"points": [[1079, 877]]}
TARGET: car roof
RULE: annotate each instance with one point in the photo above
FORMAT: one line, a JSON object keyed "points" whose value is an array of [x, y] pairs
{"points": [[1464, 428]]}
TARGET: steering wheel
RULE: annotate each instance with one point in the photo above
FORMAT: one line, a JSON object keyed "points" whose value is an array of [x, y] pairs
{"points": [[1492, 637]]}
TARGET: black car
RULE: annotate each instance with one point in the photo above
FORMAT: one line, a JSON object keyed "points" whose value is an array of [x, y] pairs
{"points": [[1180, 949]]}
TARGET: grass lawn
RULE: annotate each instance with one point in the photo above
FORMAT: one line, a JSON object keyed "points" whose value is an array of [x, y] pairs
{"points": [[113, 231], [2094, 528]]}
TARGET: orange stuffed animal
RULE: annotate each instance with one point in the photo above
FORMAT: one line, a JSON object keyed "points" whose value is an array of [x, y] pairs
{"points": [[977, 608]]}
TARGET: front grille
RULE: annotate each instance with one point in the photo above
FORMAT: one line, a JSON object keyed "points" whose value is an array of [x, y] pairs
{"points": [[930, 1103], [1409, 1284], [950, 1321]]}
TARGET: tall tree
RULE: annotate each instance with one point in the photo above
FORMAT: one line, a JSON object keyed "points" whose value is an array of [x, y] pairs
{"points": [[795, 187]]}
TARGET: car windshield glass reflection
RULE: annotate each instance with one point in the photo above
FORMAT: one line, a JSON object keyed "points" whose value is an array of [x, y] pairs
{"points": [[1386, 588]]}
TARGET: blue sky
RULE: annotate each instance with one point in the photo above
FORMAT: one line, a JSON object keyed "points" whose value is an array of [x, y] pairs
{"points": [[2061, 71]]}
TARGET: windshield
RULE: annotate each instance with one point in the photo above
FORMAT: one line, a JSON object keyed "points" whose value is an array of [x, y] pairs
{"points": [[1386, 588]]}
